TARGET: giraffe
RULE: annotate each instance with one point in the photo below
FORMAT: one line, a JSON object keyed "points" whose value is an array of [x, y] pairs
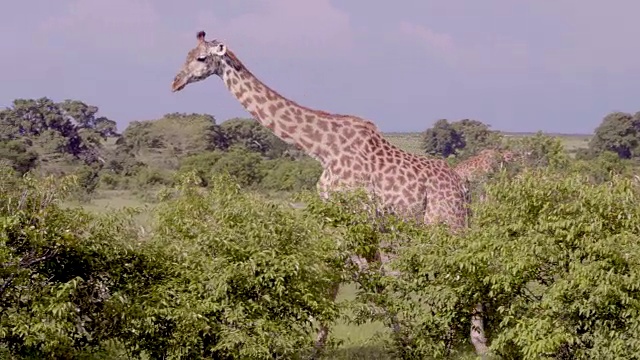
{"points": [[484, 162], [351, 150]]}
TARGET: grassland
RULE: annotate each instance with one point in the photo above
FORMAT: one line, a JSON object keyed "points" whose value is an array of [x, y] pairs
{"points": [[410, 141]]}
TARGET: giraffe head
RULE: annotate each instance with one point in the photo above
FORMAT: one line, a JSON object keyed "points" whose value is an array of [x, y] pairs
{"points": [[206, 59]]}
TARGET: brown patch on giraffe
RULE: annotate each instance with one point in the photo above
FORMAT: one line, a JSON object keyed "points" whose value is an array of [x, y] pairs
{"points": [[348, 132], [261, 112], [322, 124], [260, 99], [273, 109], [286, 118], [331, 138], [240, 93], [390, 169], [401, 180], [358, 142], [270, 95], [323, 153], [228, 82], [289, 129], [235, 81], [246, 102], [346, 161]]}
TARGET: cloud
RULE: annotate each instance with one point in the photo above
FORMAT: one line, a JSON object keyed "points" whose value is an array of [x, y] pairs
{"points": [[473, 55], [285, 29], [105, 26]]}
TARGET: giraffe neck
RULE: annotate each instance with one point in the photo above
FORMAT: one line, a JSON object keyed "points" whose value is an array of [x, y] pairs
{"points": [[294, 124]]}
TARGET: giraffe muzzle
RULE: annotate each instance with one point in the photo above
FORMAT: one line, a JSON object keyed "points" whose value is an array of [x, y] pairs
{"points": [[178, 83]]}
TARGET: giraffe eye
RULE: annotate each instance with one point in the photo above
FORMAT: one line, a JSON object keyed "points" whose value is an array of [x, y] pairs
{"points": [[201, 58]]}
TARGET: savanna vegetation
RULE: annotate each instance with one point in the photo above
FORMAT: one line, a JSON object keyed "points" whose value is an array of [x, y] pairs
{"points": [[185, 238]]}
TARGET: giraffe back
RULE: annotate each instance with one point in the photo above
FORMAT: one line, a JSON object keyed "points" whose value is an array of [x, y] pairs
{"points": [[415, 186]]}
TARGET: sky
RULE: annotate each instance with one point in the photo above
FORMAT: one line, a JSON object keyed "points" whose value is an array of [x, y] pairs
{"points": [[526, 65]]}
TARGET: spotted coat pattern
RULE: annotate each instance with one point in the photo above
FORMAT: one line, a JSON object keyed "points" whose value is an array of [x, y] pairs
{"points": [[352, 151]]}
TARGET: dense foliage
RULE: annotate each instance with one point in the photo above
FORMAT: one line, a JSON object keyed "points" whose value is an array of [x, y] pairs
{"points": [[237, 255]]}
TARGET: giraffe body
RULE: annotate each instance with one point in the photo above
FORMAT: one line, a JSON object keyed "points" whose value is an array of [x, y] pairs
{"points": [[351, 150]]}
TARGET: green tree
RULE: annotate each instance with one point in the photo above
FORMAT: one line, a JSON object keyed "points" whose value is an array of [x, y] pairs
{"points": [[242, 165], [464, 137], [201, 164], [619, 132], [84, 116], [476, 135], [163, 142], [442, 139], [18, 155], [49, 131], [255, 137], [291, 175]]}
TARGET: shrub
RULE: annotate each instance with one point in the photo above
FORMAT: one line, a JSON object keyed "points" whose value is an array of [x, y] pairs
{"points": [[291, 175], [242, 165], [554, 259], [248, 278], [66, 275]]}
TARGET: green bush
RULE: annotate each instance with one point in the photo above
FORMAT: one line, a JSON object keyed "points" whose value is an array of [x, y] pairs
{"points": [[66, 276], [291, 175], [242, 165], [249, 278], [202, 164], [149, 177], [553, 257]]}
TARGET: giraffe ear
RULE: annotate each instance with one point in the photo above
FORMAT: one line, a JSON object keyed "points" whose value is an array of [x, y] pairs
{"points": [[218, 49]]}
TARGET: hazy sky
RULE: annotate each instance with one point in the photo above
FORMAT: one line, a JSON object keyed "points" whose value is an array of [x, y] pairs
{"points": [[518, 65]]}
